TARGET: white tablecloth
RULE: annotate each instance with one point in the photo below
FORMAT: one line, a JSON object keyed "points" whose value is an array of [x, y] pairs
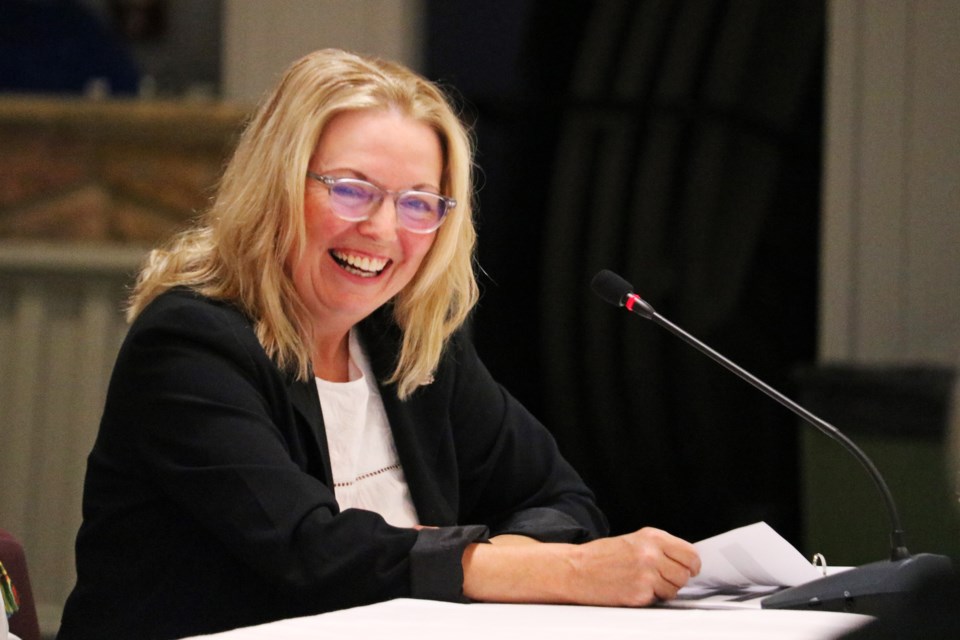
{"points": [[423, 619]]}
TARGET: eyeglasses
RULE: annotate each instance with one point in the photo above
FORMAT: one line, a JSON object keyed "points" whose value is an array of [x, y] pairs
{"points": [[355, 200]]}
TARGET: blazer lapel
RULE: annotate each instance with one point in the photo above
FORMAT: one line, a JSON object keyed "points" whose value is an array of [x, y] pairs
{"points": [[306, 402]]}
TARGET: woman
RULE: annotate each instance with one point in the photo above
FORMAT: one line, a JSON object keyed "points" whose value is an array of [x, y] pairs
{"points": [[296, 423]]}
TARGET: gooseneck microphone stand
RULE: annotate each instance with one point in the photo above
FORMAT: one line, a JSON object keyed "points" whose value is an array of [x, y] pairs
{"points": [[870, 588]]}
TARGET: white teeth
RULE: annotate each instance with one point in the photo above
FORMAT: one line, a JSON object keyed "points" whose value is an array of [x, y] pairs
{"points": [[361, 265]]}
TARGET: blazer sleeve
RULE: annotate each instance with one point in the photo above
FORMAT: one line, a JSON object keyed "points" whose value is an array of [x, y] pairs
{"points": [[512, 475]]}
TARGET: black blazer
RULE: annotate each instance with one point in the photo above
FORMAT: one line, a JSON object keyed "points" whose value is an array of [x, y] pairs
{"points": [[208, 500]]}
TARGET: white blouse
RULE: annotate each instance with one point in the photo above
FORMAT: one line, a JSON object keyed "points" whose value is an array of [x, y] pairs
{"points": [[366, 469]]}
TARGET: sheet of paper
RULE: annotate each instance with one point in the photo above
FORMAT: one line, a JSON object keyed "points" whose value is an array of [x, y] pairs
{"points": [[750, 556], [719, 598]]}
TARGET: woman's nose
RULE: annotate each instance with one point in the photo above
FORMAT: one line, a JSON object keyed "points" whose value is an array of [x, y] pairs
{"points": [[382, 222]]}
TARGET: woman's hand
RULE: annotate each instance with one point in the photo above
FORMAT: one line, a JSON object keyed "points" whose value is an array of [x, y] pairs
{"points": [[633, 570]]}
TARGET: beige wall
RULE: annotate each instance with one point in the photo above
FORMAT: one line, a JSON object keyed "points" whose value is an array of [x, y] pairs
{"points": [[890, 268], [261, 39], [890, 282]]}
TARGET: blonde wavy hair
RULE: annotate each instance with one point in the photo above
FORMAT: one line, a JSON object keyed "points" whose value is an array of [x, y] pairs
{"points": [[239, 249]]}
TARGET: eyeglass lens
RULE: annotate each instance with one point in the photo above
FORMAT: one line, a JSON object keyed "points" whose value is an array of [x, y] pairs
{"points": [[416, 210]]}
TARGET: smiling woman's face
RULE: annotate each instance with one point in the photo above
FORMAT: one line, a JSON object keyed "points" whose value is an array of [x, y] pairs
{"points": [[349, 269]]}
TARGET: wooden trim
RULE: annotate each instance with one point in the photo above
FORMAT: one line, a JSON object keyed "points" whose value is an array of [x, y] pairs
{"points": [[64, 258]]}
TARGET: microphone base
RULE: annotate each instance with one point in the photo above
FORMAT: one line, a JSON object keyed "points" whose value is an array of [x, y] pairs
{"points": [[871, 589]]}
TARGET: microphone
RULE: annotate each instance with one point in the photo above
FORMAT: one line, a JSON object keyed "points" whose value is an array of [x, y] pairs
{"points": [[868, 589]]}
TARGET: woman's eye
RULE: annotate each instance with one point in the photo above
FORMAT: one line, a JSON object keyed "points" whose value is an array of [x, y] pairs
{"points": [[351, 192]]}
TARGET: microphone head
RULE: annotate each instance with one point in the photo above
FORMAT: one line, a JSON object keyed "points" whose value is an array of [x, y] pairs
{"points": [[611, 287]]}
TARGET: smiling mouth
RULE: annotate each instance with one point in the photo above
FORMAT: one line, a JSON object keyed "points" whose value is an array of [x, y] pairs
{"points": [[362, 266]]}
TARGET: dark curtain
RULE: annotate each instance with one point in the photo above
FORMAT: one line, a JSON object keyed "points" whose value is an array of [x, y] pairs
{"points": [[676, 142]]}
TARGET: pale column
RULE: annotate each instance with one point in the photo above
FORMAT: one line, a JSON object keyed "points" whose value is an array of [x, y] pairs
{"points": [[261, 38]]}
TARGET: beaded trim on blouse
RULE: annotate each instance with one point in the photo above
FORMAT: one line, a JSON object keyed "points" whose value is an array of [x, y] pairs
{"points": [[364, 476]]}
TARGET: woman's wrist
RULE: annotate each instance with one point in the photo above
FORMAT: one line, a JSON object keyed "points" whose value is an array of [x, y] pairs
{"points": [[519, 569]]}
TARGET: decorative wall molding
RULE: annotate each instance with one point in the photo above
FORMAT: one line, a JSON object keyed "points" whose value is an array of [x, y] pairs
{"points": [[108, 171]]}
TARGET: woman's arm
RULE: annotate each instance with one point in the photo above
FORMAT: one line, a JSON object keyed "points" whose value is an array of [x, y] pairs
{"points": [[630, 570]]}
